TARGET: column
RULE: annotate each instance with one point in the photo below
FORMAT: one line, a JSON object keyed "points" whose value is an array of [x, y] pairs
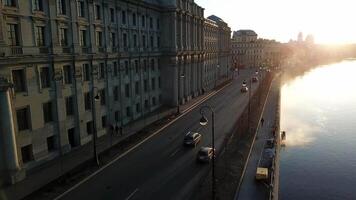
{"points": [[8, 138]]}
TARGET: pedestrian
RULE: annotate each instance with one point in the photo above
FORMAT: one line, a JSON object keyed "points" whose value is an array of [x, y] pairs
{"points": [[262, 120]]}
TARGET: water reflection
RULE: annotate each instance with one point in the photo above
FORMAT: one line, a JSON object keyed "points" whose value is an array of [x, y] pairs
{"points": [[318, 113]]}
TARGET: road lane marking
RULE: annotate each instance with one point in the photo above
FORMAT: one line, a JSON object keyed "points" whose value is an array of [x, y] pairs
{"points": [[132, 194], [174, 153]]}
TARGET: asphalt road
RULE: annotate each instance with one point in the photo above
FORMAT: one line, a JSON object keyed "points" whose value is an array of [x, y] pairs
{"points": [[162, 168]]}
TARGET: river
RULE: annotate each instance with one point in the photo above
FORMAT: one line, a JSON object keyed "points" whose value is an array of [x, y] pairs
{"points": [[318, 113]]}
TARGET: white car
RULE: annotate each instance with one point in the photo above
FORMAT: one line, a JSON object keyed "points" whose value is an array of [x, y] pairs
{"points": [[205, 154], [244, 89]]}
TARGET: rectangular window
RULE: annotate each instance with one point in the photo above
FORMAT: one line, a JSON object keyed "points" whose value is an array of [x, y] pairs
{"points": [[143, 21], [116, 70], [135, 40], [137, 88], [153, 101], [116, 93], [87, 101], [151, 23], [112, 15], [47, 112], [137, 69], [90, 128], [127, 67], [152, 65], [153, 83], [145, 85], [147, 105], [13, 35], [97, 12], [145, 65], [127, 90], [67, 72], [117, 116], [113, 39], [45, 77], [143, 41], [157, 24], [19, 80], [128, 111], [134, 19], [124, 38], [138, 107], [103, 121], [61, 7], [123, 17], [37, 5], [81, 8], [102, 97], [83, 38], [159, 82], [101, 70], [71, 138], [27, 153], [23, 118], [70, 106], [99, 38], [63, 37], [158, 41], [51, 144], [39, 36], [10, 3], [86, 72]]}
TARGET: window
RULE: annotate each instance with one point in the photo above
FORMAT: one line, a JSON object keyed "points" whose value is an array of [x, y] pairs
{"points": [[128, 111], [143, 41], [101, 70], [123, 17], [134, 19], [145, 85], [137, 88], [102, 97], [157, 24], [83, 38], [153, 101], [51, 144], [103, 121], [67, 74], [113, 39], [153, 83], [10, 3], [112, 15], [81, 8], [87, 101], [61, 7], [116, 70], [136, 67], [27, 153], [152, 65], [47, 112], [23, 118], [144, 65], [159, 82], [97, 12], [127, 90], [147, 105], [117, 116], [127, 67], [70, 106], [63, 37], [143, 21], [116, 93], [37, 5], [158, 41], [151, 23], [90, 127], [45, 77], [135, 40], [124, 38], [19, 80], [12, 32], [99, 38], [86, 72], [151, 40], [138, 107], [71, 138]]}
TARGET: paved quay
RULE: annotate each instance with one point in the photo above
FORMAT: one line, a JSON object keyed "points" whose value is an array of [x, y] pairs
{"points": [[250, 188]]}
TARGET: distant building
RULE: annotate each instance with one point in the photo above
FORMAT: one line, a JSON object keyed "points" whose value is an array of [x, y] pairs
{"points": [[249, 51], [56, 56]]}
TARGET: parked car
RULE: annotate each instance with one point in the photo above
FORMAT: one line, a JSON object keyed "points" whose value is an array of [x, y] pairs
{"points": [[254, 79], [244, 89], [205, 154], [192, 138]]}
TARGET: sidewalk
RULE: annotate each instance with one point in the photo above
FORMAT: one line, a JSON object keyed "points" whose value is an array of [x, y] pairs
{"points": [[78, 158], [250, 188]]}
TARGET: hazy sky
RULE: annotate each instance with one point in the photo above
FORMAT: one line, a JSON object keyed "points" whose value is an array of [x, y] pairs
{"points": [[330, 21]]}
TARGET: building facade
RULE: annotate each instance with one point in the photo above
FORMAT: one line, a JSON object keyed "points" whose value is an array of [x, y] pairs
{"points": [[71, 70], [250, 51]]}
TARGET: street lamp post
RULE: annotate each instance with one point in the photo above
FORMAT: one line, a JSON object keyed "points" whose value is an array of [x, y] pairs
{"points": [[204, 121], [178, 91], [249, 106], [96, 98]]}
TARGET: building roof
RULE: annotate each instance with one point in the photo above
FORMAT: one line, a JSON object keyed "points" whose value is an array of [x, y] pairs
{"points": [[245, 32], [215, 18]]}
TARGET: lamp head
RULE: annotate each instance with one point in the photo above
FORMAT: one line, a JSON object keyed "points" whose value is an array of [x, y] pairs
{"points": [[203, 121], [97, 97]]}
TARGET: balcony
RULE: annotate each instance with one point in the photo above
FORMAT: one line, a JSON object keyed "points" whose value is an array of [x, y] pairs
{"points": [[115, 49], [66, 50], [85, 49], [16, 51], [43, 50], [101, 49]]}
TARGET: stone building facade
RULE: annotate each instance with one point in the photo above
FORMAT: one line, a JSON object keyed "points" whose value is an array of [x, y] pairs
{"points": [[74, 69], [250, 51]]}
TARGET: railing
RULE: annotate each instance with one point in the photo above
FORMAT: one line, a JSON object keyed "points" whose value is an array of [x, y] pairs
{"points": [[43, 50], [101, 49], [85, 49], [115, 49], [66, 50], [16, 51]]}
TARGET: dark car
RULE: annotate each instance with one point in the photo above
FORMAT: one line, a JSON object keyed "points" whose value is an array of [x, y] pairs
{"points": [[205, 154], [192, 139], [244, 89], [254, 79]]}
